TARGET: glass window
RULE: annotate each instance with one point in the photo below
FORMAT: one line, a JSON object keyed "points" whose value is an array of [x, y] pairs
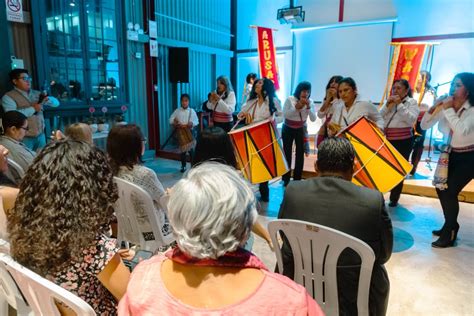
{"points": [[83, 51]]}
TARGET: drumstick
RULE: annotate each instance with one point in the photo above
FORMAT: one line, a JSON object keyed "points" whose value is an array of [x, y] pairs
{"points": [[236, 124]]}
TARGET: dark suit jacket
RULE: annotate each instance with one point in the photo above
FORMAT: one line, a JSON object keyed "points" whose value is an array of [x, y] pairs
{"points": [[354, 210]]}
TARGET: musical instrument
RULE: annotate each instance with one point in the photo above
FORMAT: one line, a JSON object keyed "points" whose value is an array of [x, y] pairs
{"points": [[379, 165], [185, 138], [259, 152]]}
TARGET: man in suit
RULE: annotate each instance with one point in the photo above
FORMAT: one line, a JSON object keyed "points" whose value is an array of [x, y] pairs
{"points": [[332, 200]]}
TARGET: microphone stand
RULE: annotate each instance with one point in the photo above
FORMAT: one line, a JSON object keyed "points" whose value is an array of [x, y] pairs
{"points": [[428, 159]]}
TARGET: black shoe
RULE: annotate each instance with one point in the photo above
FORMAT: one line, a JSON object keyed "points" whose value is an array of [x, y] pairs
{"points": [[438, 232], [285, 182], [447, 238], [183, 169], [393, 204]]}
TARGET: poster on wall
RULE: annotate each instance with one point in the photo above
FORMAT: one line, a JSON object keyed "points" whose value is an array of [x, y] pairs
{"points": [[14, 10], [153, 31], [153, 48], [267, 55]]}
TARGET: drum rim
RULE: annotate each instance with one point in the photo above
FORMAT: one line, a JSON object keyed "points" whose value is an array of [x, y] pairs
{"points": [[250, 126]]}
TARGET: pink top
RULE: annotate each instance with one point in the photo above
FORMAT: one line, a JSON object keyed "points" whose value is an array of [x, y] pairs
{"points": [[276, 295]]}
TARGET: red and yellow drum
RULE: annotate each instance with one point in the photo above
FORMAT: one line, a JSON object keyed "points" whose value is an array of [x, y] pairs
{"points": [[258, 151], [378, 164]]}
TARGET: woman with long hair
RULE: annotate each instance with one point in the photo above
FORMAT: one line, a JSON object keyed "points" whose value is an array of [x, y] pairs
{"points": [[60, 222], [261, 105], [455, 115], [400, 113], [125, 147], [222, 103], [330, 101], [296, 110]]}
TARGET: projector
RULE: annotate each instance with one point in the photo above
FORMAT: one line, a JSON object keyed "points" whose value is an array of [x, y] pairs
{"points": [[290, 15]]}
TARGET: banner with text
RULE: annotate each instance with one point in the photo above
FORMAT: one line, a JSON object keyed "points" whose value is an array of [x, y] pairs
{"points": [[267, 55]]}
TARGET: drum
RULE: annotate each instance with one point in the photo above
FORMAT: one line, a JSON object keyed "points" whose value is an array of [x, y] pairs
{"points": [[259, 152], [185, 138], [378, 164]]}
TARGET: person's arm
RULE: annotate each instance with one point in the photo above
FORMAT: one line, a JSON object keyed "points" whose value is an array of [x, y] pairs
{"points": [[173, 117], [261, 232], [384, 110], [386, 234], [310, 110], [9, 197], [375, 116], [115, 277], [463, 127], [288, 108], [228, 105], [194, 118], [278, 115], [10, 105], [409, 111]]}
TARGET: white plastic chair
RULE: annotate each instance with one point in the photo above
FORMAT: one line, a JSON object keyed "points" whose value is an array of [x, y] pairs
{"points": [[128, 228], [15, 171], [9, 292], [42, 294], [316, 249]]}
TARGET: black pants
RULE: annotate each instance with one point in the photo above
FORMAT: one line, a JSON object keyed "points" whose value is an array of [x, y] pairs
{"points": [[460, 173], [418, 146], [227, 126], [297, 135], [264, 191], [404, 147], [183, 157]]}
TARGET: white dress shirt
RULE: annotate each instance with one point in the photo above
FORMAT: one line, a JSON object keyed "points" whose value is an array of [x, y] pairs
{"points": [[292, 113], [184, 116], [335, 104], [358, 109], [226, 105], [462, 126], [261, 112], [401, 115]]}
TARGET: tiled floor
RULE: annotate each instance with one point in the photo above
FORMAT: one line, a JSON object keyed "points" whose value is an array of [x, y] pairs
{"points": [[424, 280]]}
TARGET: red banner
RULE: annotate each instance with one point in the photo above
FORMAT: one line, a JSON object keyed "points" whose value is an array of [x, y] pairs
{"points": [[267, 55], [409, 62]]}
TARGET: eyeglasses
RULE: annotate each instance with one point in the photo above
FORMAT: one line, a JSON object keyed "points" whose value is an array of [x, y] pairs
{"points": [[25, 78], [25, 128], [144, 140]]}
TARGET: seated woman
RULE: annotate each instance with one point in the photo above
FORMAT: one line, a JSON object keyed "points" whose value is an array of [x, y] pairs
{"points": [[60, 231], [15, 125], [125, 147], [200, 275]]}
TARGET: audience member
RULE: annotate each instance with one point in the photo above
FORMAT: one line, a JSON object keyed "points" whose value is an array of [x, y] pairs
{"points": [[332, 200], [125, 147], [29, 102], [249, 81], [201, 274], [15, 127], [58, 227]]}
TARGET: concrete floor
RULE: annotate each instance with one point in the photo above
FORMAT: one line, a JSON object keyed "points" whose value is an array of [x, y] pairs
{"points": [[424, 280]]}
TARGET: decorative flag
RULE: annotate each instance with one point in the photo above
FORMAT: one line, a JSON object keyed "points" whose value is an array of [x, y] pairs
{"points": [[267, 55], [405, 64], [379, 165]]}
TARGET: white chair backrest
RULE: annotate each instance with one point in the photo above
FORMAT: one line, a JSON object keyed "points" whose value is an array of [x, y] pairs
{"points": [[9, 292], [15, 171], [316, 249], [40, 293], [128, 227]]}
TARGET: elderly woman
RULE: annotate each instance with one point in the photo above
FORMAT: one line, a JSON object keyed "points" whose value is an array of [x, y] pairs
{"points": [[59, 225], [200, 275]]}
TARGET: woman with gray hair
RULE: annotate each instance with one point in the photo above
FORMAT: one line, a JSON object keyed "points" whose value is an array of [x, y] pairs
{"points": [[209, 271]]}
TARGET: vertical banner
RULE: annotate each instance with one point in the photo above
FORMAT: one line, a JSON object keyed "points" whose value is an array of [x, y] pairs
{"points": [[409, 62], [267, 55]]}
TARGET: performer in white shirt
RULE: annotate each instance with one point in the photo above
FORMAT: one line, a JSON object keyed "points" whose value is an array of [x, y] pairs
{"points": [[352, 109], [296, 110], [399, 114], [249, 81], [222, 103], [327, 109], [425, 101], [455, 115], [261, 105], [184, 119]]}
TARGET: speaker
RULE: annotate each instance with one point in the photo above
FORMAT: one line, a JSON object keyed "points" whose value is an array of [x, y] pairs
{"points": [[178, 64]]}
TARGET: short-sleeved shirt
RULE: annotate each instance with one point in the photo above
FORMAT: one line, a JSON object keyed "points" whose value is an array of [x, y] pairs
{"points": [[80, 276]]}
